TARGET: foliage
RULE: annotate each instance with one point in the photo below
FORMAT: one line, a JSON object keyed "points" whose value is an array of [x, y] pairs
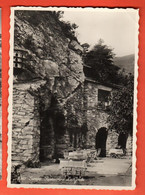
{"points": [[100, 59], [29, 43], [121, 108], [69, 29], [58, 15], [37, 18]]}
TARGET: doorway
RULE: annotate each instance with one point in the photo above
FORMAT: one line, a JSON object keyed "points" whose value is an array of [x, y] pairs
{"points": [[52, 131]]}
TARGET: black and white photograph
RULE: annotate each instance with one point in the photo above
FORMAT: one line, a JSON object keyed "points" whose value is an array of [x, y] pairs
{"points": [[73, 98]]}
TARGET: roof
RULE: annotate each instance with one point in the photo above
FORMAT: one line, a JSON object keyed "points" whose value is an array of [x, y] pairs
{"points": [[112, 85]]}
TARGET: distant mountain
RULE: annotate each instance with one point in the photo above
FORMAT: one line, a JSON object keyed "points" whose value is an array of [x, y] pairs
{"points": [[125, 62]]}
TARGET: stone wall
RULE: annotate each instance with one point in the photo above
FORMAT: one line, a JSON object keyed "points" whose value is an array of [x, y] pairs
{"points": [[129, 146], [96, 118], [80, 108], [76, 119], [25, 126], [37, 130], [112, 140]]}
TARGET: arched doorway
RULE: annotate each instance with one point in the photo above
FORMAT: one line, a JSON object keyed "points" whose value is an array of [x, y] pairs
{"points": [[101, 138], [52, 131]]}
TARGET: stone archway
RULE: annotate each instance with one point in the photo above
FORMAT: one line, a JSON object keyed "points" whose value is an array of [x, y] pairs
{"points": [[101, 138], [52, 132]]}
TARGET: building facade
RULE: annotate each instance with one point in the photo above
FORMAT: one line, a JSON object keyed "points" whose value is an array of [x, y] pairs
{"points": [[41, 134]]}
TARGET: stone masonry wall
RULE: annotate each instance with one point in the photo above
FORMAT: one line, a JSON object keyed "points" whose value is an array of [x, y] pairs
{"points": [[25, 127], [112, 140], [76, 118], [129, 145], [96, 118]]}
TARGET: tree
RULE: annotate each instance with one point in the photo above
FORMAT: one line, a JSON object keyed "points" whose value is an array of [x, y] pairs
{"points": [[100, 59], [121, 108], [58, 14], [69, 29]]}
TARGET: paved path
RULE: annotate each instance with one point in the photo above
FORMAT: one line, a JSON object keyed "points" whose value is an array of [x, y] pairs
{"points": [[109, 166], [102, 172]]}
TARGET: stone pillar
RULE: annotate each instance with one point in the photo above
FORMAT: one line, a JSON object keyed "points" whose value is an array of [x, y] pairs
{"points": [[25, 127], [112, 140]]}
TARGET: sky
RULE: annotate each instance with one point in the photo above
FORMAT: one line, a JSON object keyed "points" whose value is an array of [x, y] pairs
{"points": [[116, 27]]}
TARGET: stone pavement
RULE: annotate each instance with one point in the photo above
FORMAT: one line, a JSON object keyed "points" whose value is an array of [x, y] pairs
{"points": [[109, 166], [106, 172]]}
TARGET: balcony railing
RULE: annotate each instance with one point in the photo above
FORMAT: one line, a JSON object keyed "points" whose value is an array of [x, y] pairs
{"points": [[20, 58]]}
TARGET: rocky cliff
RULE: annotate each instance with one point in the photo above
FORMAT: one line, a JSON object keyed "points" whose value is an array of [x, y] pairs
{"points": [[52, 56], [48, 87]]}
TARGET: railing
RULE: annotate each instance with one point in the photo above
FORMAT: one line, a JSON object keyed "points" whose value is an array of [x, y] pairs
{"points": [[20, 58]]}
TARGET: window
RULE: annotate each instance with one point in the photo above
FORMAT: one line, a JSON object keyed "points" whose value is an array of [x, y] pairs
{"points": [[103, 99]]}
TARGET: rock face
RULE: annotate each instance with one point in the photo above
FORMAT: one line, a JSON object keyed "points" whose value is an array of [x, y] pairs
{"points": [[43, 86], [50, 50]]}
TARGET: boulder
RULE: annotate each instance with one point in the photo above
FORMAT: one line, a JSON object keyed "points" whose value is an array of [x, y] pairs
{"points": [[75, 46]]}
